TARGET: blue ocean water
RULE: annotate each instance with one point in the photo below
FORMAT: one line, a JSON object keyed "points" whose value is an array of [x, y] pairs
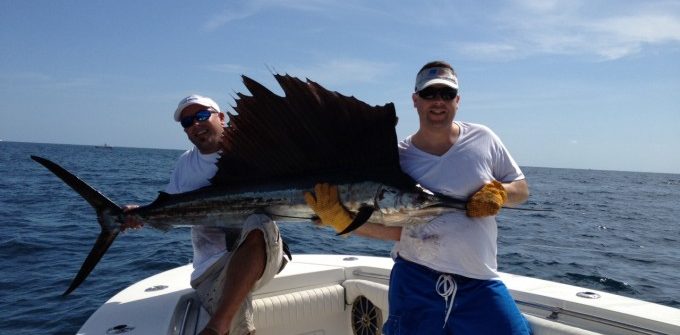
{"points": [[612, 231]]}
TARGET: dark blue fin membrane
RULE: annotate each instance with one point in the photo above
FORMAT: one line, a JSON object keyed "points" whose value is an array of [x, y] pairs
{"points": [[310, 133]]}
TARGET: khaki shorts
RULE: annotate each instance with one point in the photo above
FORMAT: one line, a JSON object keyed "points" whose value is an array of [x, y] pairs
{"points": [[210, 285]]}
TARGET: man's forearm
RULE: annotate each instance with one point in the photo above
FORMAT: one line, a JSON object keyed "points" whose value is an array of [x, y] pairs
{"points": [[518, 192], [378, 231]]}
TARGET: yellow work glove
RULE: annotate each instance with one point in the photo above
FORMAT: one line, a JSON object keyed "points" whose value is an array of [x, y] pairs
{"points": [[487, 201], [325, 203]]}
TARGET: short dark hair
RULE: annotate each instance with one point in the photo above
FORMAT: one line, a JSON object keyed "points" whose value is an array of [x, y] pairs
{"points": [[437, 63]]}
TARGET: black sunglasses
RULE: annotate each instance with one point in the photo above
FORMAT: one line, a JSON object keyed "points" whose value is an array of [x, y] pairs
{"points": [[201, 116], [430, 93]]}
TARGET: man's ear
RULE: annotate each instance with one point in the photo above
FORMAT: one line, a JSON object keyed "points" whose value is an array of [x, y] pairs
{"points": [[221, 116]]}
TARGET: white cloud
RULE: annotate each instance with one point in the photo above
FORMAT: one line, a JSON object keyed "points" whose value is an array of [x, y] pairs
{"points": [[539, 5], [238, 10], [45, 81], [645, 28], [490, 51], [533, 27], [606, 29]]}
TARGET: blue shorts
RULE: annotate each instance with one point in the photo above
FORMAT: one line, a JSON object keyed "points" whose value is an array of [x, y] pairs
{"points": [[424, 301]]}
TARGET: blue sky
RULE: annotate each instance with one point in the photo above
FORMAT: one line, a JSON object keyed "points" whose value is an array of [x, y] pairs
{"points": [[572, 84]]}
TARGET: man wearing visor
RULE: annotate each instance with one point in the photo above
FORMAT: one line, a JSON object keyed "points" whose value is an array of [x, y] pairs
{"points": [[228, 263], [445, 279]]}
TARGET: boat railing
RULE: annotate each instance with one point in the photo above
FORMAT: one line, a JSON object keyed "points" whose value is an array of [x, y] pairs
{"points": [[570, 317]]}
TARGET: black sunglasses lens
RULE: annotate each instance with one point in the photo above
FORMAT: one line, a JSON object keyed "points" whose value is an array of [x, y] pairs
{"points": [[199, 116], [432, 92], [202, 115], [427, 93], [448, 94], [187, 121]]}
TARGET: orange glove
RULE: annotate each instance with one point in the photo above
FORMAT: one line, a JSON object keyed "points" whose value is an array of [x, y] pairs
{"points": [[487, 201], [325, 203]]}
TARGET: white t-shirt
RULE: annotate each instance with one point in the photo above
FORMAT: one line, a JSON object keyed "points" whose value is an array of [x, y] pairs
{"points": [[454, 242], [193, 170]]}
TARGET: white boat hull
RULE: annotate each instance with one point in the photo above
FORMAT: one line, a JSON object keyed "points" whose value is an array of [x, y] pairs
{"points": [[338, 295]]}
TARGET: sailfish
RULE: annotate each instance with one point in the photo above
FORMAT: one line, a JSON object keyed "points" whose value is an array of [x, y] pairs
{"points": [[275, 148]]}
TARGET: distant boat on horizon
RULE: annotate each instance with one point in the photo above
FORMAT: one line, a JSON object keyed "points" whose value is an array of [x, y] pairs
{"points": [[105, 146]]}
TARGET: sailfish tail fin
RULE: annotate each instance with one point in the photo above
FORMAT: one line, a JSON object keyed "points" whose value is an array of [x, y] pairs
{"points": [[107, 211]]}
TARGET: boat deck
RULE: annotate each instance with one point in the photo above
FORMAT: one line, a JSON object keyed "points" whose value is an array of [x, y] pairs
{"points": [[319, 294]]}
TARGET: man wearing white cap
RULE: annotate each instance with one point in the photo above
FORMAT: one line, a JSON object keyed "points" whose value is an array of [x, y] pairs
{"points": [[228, 263], [445, 279]]}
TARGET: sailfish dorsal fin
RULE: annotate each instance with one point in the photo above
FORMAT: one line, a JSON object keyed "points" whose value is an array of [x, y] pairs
{"points": [[310, 131]]}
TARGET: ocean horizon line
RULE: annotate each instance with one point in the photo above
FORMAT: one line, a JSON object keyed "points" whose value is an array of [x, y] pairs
{"points": [[184, 149]]}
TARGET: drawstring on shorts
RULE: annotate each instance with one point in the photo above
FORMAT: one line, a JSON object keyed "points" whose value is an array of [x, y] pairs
{"points": [[446, 287]]}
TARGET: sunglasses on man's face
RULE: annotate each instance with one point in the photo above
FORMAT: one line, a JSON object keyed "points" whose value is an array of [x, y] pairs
{"points": [[430, 93], [201, 116]]}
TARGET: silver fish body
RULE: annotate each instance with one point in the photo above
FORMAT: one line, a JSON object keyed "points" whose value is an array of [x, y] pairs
{"points": [[229, 207], [218, 207]]}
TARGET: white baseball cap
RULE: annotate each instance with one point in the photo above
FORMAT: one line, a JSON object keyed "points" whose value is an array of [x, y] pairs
{"points": [[436, 75], [195, 99]]}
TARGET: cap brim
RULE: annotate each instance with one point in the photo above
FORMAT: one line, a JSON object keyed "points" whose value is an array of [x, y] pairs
{"points": [[436, 81], [180, 108]]}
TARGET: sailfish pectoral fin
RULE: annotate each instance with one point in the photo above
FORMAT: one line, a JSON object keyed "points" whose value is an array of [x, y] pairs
{"points": [[362, 216]]}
